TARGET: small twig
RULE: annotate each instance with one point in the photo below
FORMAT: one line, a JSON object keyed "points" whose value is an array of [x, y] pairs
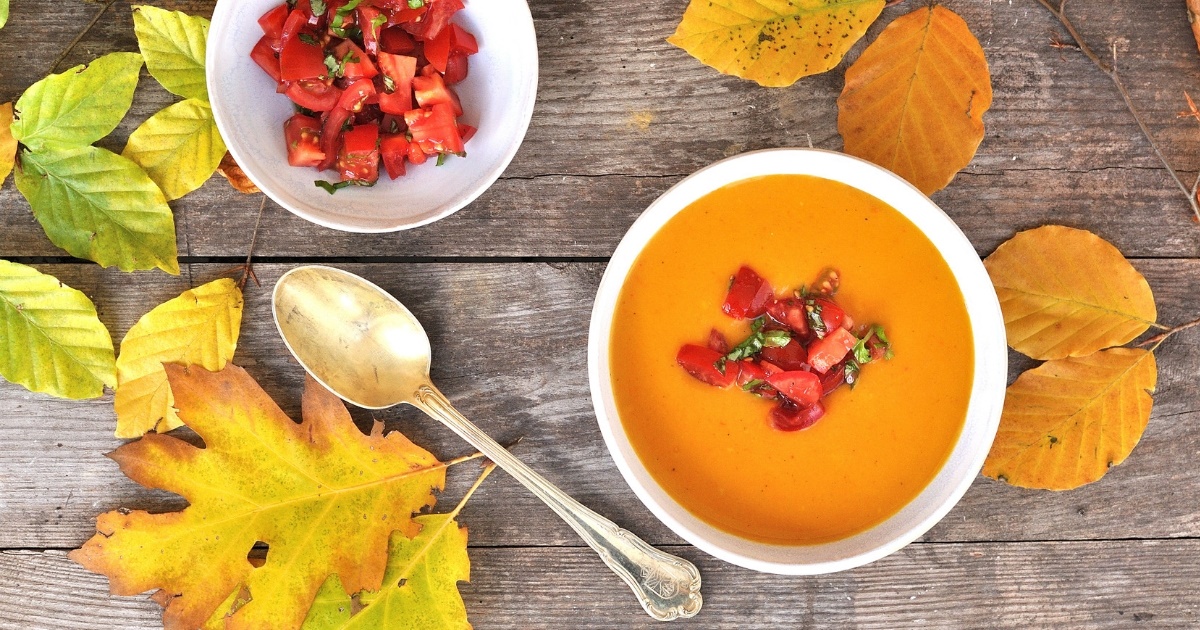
{"points": [[80, 36], [1157, 340], [1111, 71], [248, 268]]}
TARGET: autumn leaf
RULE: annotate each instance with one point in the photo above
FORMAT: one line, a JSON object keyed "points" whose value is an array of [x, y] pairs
{"points": [[173, 44], [1193, 14], [8, 144], [1067, 421], [914, 101], [230, 170], [179, 147], [200, 327], [771, 42], [322, 495], [52, 340], [1067, 292]]}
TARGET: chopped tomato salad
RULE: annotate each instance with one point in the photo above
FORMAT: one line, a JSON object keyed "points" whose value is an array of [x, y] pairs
{"points": [[371, 81], [802, 346]]}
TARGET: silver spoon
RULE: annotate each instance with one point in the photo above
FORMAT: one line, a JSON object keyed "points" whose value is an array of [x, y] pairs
{"points": [[366, 347]]}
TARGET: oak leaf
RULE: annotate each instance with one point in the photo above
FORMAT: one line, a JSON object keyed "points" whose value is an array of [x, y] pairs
{"points": [[1067, 292], [914, 101], [230, 170], [200, 327], [8, 144], [1067, 421], [323, 496], [773, 42]]}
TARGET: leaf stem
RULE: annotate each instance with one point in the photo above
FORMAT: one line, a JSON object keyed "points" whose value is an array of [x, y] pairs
{"points": [[248, 269], [1111, 70], [78, 38], [1158, 339]]}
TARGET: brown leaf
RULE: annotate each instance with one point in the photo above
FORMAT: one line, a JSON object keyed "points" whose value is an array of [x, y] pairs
{"points": [[1193, 13], [230, 170], [1067, 292], [1066, 422], [914, 101]]}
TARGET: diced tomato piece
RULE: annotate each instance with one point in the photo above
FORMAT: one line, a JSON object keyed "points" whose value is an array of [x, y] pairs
{"points": [[789, 417], [313, 94], [435, 19], [827, 352], [407, 14], [434, 129], [799, 386], [371, 21], [833, 379], [769, 368], [264, 55], [358, 159], [748, 295], [397, 41], [390, 123], [393, 148], [432, 90], [337, 18], [303, 136], [700, 362], [748, 372], [400, 71], [456, 68], [356, 95], [717, 341], [790, 357], [331, 135], [272, 21], [831, 314], [462, 41], [791, 313], [415, 154], [305, 8], [301, 60], [437, 50], [358, 65], [296, 22]]}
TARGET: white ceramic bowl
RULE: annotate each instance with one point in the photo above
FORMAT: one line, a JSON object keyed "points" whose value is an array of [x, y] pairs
{"points": [[497, 96], [983, 412]]}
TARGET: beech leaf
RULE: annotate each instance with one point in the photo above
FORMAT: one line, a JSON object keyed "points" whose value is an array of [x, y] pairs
{"points": [[52, 340], [3, 15], [179, 147], [1067, 292], [8, 144], [79, 106], [1067, 421], [200, 327], [173, 44], [773, 42], [323, 496], [914, 101], [100, 206]]}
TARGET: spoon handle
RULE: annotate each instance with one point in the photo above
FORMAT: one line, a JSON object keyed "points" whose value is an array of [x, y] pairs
{"points": [[667, 586]]}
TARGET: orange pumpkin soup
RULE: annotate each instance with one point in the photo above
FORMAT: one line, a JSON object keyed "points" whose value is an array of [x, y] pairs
{"points": [[713, 450]]}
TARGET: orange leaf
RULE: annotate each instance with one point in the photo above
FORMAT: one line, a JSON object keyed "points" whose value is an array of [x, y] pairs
{"points": [[1067, 292], [770, 41], [1066, 422], [914, 101], [1193, 13], [230, 170], [8, 144], [322, 495]]}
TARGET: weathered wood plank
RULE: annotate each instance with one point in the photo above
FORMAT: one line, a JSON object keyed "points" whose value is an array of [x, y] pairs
{"points": [[1060, 146], [1083, 585], [510, 345]]}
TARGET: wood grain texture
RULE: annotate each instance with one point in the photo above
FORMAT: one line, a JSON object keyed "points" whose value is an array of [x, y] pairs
{"points": [[590, 164], [510, 349], [1078, 585]]}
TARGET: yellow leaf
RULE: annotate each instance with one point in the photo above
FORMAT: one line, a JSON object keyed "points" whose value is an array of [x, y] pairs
{"points": [[324, 498], [1068, 292], [773, 42], [1066, 422], [8, 144], [179, 147], [914, 101], [200, 327]]}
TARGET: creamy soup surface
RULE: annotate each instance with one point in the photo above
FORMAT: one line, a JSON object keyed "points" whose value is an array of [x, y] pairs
{"points": [[713, 450]]}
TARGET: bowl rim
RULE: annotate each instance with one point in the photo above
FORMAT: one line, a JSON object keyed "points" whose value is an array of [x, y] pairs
{"points": [[222, 15], [987, 392]]}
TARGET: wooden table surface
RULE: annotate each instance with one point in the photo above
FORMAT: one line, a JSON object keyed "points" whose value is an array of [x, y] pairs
{"points": [[505, 288]]}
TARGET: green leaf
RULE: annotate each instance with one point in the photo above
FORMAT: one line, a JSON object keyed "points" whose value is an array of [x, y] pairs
{"points": [[179, 147], [52, 340], [8, 144], [173, 44], [79, 106], [3, 13], [98, 205]]}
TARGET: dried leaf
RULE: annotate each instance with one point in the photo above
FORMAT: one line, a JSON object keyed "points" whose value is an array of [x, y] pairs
{"points": [[1066, 422], [51, 340], [200, 327], [1067, 292], [173, 44], [772, 42], [79, 106], [179, 147], [1193, 14], [914, 101], [8, 144], [322, 495], [100, 206], [230, 170]]}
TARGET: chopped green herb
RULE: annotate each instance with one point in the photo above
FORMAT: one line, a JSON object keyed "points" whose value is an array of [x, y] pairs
{"points": [[306, 111], [308, 39], [441, 159], [776, 338], [416, 4], [336, 69], [347, 8], [318, 6], [389, 85], [850, 374], [754, 344], [817, 323], [332, 188], [378, 21], [753, 384]]}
